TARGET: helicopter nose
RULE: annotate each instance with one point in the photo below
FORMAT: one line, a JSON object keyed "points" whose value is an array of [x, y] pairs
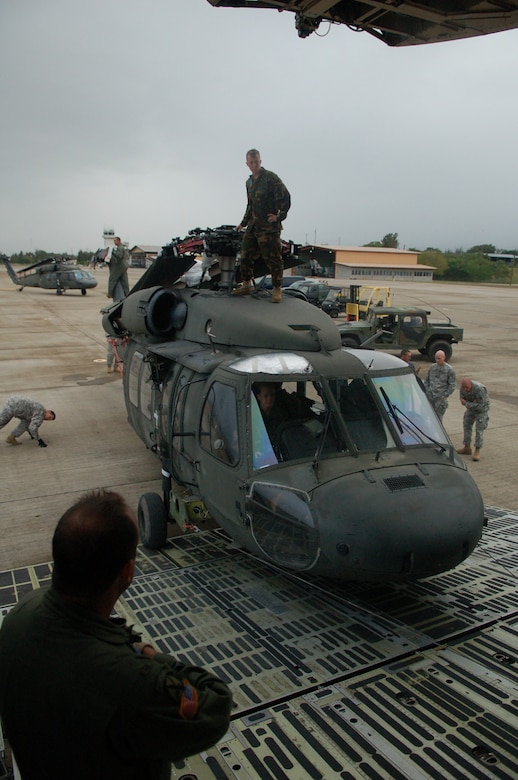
{"points": [[387, 524], [375, 525]]}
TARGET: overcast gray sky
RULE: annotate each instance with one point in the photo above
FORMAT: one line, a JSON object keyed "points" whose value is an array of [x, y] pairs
{"points": [[136, 115]]}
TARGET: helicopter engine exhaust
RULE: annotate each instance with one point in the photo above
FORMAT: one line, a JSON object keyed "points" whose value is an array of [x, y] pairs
{"points": [[155, 311]]}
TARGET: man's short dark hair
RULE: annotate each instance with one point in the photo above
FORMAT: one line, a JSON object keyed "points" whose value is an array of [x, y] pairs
{"points": [[258, 386], [92, 542], [253, 153]]}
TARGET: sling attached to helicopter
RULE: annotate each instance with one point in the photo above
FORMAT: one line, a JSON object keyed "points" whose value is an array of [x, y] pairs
{"points": [[351, 477]]}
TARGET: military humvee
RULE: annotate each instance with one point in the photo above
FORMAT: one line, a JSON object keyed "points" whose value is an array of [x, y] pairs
{"points": [[393, 328]]}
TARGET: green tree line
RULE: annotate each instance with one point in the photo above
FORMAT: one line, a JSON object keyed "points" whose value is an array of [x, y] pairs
{"points": [[471, 265], [468, 266]]}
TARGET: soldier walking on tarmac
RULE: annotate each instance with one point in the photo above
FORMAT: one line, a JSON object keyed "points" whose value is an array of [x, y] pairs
{"points": [[475, 399], [268, 204], [440, 383]]}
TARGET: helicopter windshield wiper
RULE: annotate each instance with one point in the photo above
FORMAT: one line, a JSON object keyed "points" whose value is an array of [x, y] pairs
{"points": [[391, 409], [417, 430]]}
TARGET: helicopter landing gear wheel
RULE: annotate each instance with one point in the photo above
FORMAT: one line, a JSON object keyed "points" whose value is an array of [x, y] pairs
{"points": [[83, 291], [59, 291], [152, 521]]}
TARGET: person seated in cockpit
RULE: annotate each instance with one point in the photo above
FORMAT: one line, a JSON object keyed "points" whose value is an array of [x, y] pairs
{"points": [[278, 406], [266, 393]]}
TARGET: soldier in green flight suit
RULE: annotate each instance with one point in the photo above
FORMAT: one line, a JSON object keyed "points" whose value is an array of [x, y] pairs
{"points": [[80, 696], [268, 205]]}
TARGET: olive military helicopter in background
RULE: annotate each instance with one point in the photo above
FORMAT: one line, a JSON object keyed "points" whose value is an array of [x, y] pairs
{"points": [[52, 274], [359, 481], [397, 24]]}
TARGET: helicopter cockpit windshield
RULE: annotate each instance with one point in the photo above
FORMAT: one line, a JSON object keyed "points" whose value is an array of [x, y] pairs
{"points": [[296, 414], [409, 409]]}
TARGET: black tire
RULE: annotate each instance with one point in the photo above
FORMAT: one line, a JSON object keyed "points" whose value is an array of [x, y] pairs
{"points": [[333, 313], [83, 291], [349, 341], [59, 291], [436, 345], [152, 521]]}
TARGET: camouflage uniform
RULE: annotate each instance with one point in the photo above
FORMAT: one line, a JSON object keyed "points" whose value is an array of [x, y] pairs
{"points": [[266, 195], [439, 385], [477, 408], [30, 413]]}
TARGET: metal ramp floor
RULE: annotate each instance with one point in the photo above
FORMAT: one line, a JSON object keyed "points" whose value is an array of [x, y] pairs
{"points": [[411, 681]]}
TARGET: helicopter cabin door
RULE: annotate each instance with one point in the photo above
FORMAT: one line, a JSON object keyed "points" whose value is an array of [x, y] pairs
{"points": [[223, 457]]}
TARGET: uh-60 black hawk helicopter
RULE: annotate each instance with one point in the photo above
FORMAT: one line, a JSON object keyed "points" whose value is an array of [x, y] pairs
{"points": [[52, 274], [359, 480]]}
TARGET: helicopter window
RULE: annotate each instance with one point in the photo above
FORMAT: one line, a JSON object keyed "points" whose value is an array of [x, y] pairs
{"points": [[219, 430], [164, 413], [361, 415], [133, 379], [178, 411], [409, 409], [146, 388], [288, 422], [139, 385], [263, 453]]}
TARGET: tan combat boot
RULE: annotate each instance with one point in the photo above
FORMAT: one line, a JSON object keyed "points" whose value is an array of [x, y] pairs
{"points": [[466, 450], [245, 289], [277, 295], [11, 439], [476, 454]]}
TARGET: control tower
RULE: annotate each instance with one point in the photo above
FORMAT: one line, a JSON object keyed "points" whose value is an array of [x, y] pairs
{"points": [[108, 236]]}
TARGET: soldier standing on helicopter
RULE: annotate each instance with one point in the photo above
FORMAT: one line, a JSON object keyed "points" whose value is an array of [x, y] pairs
{"points": [[268, 204]]}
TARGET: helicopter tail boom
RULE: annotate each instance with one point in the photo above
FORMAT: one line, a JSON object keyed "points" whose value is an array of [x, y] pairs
{"points": [[10, 270]]}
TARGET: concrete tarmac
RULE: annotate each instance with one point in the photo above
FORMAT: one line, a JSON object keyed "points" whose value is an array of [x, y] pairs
{"points": [[53, 349]]}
